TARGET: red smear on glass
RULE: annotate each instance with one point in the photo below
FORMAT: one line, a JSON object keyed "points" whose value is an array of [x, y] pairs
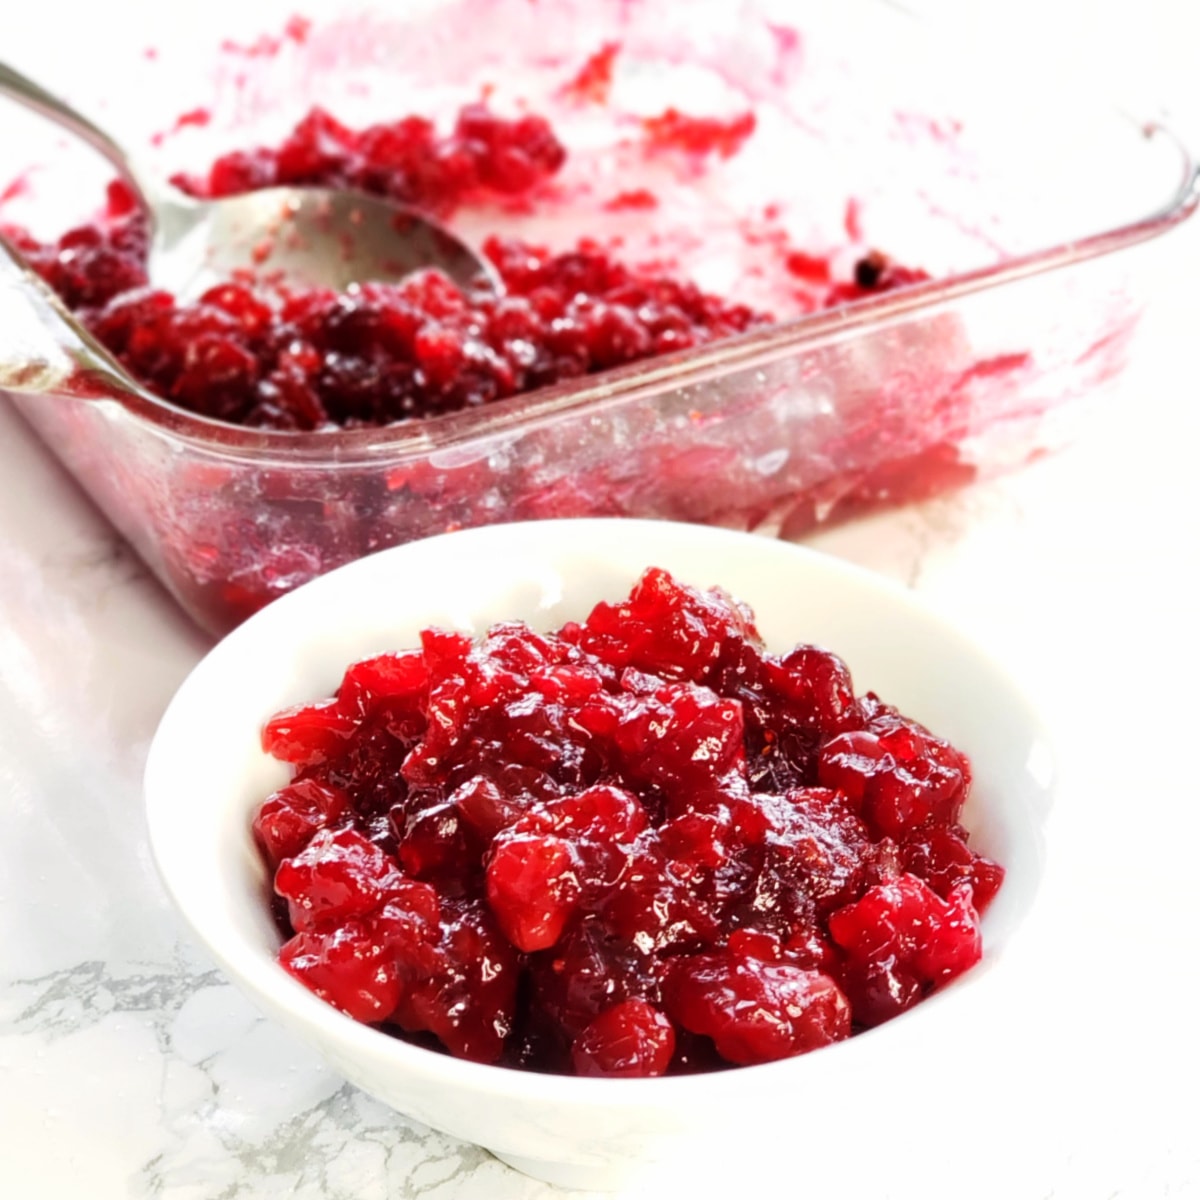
{"points": [[296, 30], [639, 198], [196, 117], [594, 80], [18, 187], [698, 135], [810, 267], [853, 220]]}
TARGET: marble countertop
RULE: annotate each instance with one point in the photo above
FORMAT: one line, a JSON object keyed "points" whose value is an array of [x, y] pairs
{"points": [[129, 1068]]}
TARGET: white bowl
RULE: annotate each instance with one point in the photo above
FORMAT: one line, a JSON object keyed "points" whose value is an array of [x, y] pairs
{"points": [[206, 773]]}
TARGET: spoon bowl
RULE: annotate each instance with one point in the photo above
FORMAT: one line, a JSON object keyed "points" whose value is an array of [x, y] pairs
{"points": [[302, 236]]}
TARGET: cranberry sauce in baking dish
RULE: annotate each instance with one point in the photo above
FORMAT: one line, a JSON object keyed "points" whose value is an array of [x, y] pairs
{"points": [[304, 359], [730, 173], [642, 844]]}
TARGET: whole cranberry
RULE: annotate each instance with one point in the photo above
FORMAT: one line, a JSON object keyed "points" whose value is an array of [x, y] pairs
{"points": [[629, 1040]]}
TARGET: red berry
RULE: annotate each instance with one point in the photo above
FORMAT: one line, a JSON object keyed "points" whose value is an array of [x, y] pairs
{"points": [[433, 844], [902, 940], [944, 860], [670, 630], [588, 972], [393, 677], [308, 733], [897, 776], [533, 888], [467, 997], [339, 875], [347, 965], [755, 1010], [629, 1040], [287, 819], [816, 687]]}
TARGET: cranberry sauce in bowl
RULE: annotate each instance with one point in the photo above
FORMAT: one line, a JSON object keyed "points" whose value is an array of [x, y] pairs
{"points": [[637, 844], [607, 838]]}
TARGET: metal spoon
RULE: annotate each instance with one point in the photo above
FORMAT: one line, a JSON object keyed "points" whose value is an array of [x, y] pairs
{"points": [[300, 235]]}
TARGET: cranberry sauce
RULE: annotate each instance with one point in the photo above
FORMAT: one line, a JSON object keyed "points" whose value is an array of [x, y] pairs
{"points": [[251, 353], [640, 845]]}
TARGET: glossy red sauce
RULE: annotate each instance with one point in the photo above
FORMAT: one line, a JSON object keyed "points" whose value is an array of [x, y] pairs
{"points": [[640, 845]]}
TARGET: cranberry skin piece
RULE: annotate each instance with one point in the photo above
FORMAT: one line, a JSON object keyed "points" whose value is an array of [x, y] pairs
{"points": [[848, 762], [879, 991], [410, 899], [816, 854], [954, 944], [669, 629], [288, 819], [241, 303], [602, 813], [631, 1040], [901, 940], [516, 647], [685, 740], [755, 1011], [555, 855], [484, 808], [361, 965], [894, 780], [338, 876], [753, 943], [433, 844], [308, 734], [884, 719], [697, 841], [315, 150], [569, 683], [448, 713], [926, 786], [588, 972], [349, 966], [943, 859], [816, 687], [658, 906], [467, 996], [587, 833], [986, 879], [808, 947], [445, 653], [533, 889], [370, 764], [396, 677]]}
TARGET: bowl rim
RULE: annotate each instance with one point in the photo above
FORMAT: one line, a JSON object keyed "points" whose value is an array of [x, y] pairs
{"points": [[259, 974]]}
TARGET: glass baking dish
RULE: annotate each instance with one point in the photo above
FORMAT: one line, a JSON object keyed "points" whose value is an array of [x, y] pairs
{"points": [[1036, 222]]}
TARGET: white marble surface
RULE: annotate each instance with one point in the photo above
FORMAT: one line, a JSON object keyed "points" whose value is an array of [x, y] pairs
{"points": [[130, 1069]]}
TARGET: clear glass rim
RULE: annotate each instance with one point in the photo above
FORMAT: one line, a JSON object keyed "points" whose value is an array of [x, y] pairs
{"points": [[639, 380]]}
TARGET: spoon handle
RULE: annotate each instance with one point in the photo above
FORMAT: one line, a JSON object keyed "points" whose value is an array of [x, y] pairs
{"points": [[32, 95], [45, 352]]}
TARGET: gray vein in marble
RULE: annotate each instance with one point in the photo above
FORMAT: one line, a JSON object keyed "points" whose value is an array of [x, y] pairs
{"points": [[304, 1155], [79, 996]]}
